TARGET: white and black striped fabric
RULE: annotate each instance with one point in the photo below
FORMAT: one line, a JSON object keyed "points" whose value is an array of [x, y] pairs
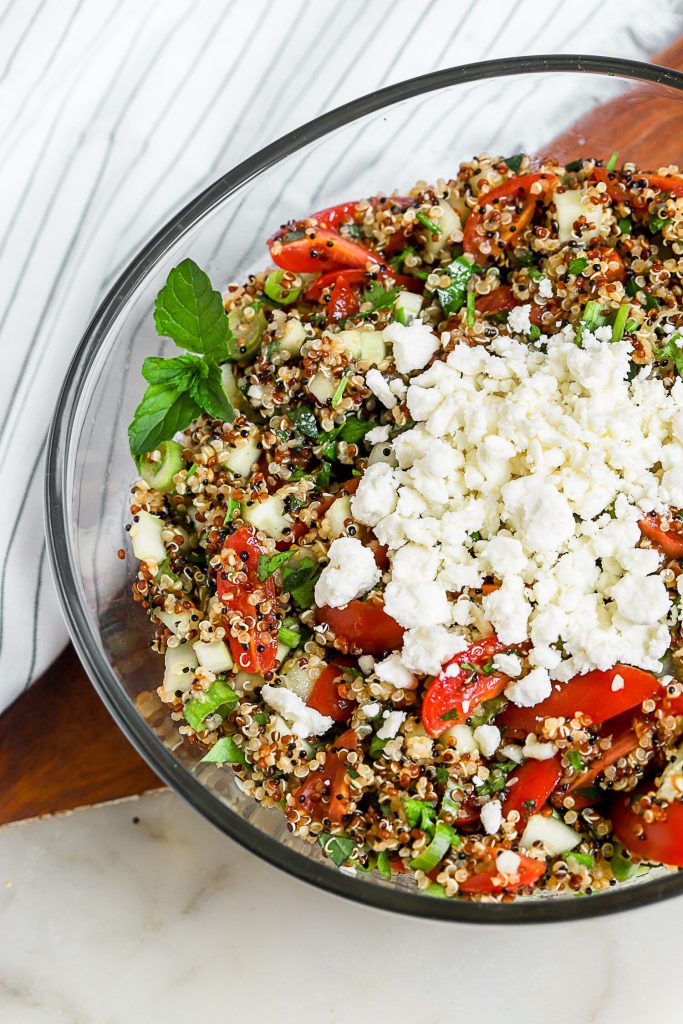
{"points": [[113, 113]]}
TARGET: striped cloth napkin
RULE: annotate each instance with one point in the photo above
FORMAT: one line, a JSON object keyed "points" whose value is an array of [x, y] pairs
{"points": [[113, 114]]}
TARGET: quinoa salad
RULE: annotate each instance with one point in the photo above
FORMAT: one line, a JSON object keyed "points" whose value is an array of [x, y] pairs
{"points": [[409, 525]]}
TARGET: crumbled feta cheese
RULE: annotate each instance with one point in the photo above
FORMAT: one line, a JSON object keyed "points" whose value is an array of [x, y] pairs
{"points": [[413, 346], [366, 664], [393, 720], [519, 319], [427, 648], [377, 435], [372, 709], [302, 720], [545, 288], [512, 753], [643, 600], [617, 683], [417, 604], [539, 751], [392, 670], [352, 571], [380, 388], [508, 664], [531, 689], [492, 816], [507, 863], [375, 498], [487, 738]]}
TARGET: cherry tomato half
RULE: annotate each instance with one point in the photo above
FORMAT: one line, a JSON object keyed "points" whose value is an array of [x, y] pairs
{"points": [[530, 785], [321, 250], [660, 840], [669, 542], [490, 879], [512, 189], [240, 590], [364, 625], [325, 793], [325, 696], [343, 301], [620, 186]]}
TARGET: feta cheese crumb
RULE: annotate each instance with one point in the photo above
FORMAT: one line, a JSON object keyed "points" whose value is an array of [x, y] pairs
{"points": [[413, 346], [377, 435], [375, 498], [519, 319], [492, 816], [545, 288], [531, 689], [487, 738], [372, 709], [380, 388], [303, 721], [507, 863], [393, 671], [366, 664], [539, 751], [617, 683], [508, 664], [393, 720], [352, 571], [512, 752], [416, 604]]}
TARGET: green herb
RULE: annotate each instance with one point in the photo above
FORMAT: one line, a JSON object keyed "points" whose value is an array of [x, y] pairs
{"points": [[575, 760], [225, 750], [337, 848], [190, 312], [620, 321], [444, 838], [383, 865], [672, 351], [399, 259], [284, 294], [453, 715], [535, 333], [294, 235], [658, 223], [420, 814], [442, 775], [612, 162], [161, 414], [192, 471], [339, 393], [299, 581], [353, 429], [429, 224], [497, 779], [261, 717], [470, 308], [304, 421], [621, 864], [574, 165], [514, 162], [587, 859], [268, 564], [535, 274], [233, 509], [289, 637], [453, 297], [448, 804], [323, 476], [475, 536], [487, 710], [219, 697], [625, 225], [651, 302], [593, 793], [526, 259], [592, 318], [377, 747], [379, 296], [578, 264]]}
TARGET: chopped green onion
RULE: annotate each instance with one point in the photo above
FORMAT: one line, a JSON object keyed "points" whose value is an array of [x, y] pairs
{"points": [[225, 751], [282, 291], [267, 564], [470, 308], [420, 814], [444, 838], [341, 388], [261, 718], [434, 889], [159, 475], [578, 264], [535, 274], [219, 697], [592, 318], [575, 760], [289, 637], [192, 471], [337, 848], [383, 865], [612, 162], [430, 224], [233, 508], [620, 320], [625, 225], [658, 223], [587, 859], [621, 864], [535, 333]]}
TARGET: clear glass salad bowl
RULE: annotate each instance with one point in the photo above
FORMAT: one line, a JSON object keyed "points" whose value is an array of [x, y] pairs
{"points": [[566, 106]]}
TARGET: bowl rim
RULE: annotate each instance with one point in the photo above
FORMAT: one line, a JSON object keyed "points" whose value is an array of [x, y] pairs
{"points": [[57, 519]]}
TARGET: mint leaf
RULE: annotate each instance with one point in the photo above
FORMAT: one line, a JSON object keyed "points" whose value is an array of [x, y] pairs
{"points": [[175, 373], [267, 564], [673, 352], [225, 751], [207, 391], [189, 311], [304, 421], [379, 296], [300, 580], [353, 429], [338, 848], [162, 412]]}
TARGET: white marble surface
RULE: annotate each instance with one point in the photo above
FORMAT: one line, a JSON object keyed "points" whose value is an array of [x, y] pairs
{"points": [[105, 921]]}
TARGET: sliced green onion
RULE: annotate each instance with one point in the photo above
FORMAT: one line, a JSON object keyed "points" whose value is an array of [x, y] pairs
{"points": [[658, 223], [430, 224], [233, 507], [578, 264], [592, 318], [289, 637], [341, 388], [225, 751], [620, 320], [575, 760], [444, 838], [535, 274], [612, 162], [193, 470], [622, 865], [587, 859], [218, 697], [470, 308], [434, 889], [159, 475], [281, 287], [535, 333], [631, 326], [383, 865]]}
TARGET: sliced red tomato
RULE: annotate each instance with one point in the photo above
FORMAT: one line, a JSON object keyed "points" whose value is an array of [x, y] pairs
{"points": [[239, 589], [364, 625], [625, 738], [616, 270], [512, 189], [325, 793], [623, 188], [530, 785], [325, 697], [490, 880], [333, 216], [670, 542], [328, 281], [660, 840], [320, 250], [343, 301], [451, 698], [500, 300], [591, 694]]}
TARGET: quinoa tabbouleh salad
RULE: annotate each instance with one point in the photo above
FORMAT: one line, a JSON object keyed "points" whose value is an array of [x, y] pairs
{"points": [[410, 526]]}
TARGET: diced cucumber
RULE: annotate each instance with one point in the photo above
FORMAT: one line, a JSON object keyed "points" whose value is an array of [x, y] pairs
{"points": [[214, 656], [569, 207], [282, 651], [160, 472], [554, 836], [238, 400], [268, 515], [379, 454], [297, 679], [449, 222], [180, 623], [321, 387], [671, 780], [333, 520], [364, 346], [241, 678], [242, 458], [463, 739], [407, 307], [248, 332], [293, 337], [177, 660], [145, 535]]}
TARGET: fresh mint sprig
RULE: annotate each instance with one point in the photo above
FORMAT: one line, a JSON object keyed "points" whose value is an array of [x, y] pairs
{"points": [[191, 313]]}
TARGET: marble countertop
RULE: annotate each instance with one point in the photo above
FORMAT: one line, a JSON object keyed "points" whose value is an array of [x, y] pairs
{"points": [[142, 912]]}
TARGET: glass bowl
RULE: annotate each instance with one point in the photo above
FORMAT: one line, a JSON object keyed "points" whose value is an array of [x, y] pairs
{"points": [[418, 129]]}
